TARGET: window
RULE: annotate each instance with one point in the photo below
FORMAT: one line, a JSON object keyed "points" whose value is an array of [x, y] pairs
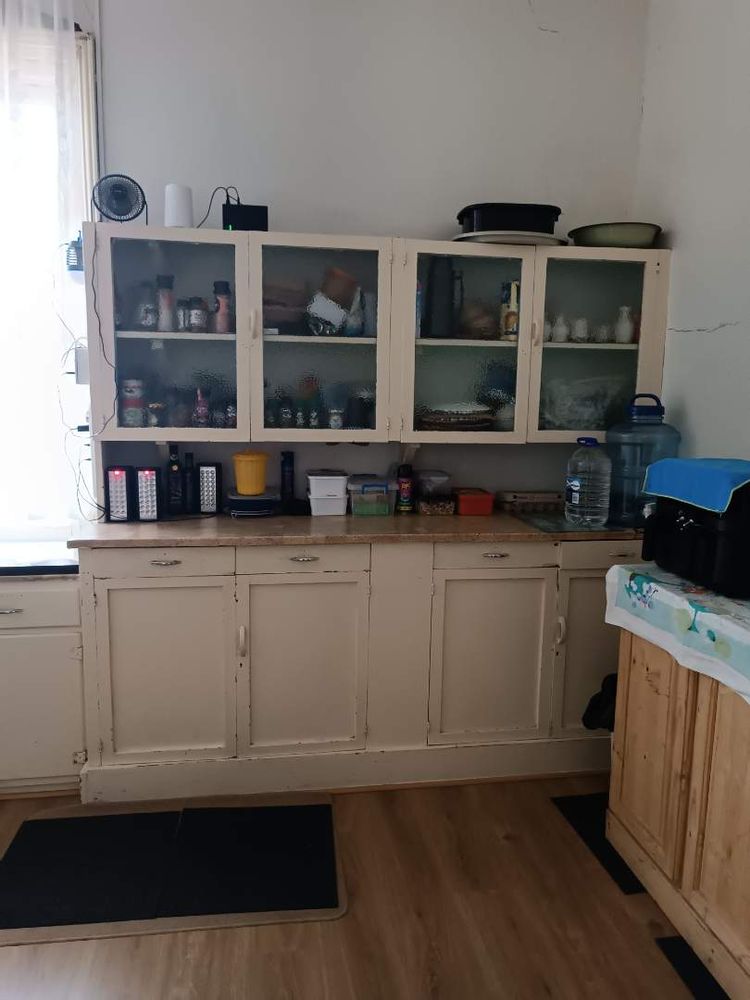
{"points": [[49, 162]]}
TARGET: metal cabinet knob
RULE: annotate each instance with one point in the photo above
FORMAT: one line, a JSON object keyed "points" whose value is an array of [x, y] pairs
{"points": [[495, 555], [166, 562], [304, 559], [11, 611]]}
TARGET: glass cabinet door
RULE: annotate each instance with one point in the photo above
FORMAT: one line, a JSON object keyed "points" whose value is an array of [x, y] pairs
{"points": [[170, 314], [466, 315], [321, 342], [597, 332]]}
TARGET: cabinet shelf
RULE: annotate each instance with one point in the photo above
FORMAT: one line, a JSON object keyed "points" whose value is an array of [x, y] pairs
{"points": [[590, 347], [283, 338], [152, 335], [460, 342]]}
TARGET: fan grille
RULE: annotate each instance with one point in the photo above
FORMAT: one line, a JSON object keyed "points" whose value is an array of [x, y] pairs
{"points": [[118, 197]]}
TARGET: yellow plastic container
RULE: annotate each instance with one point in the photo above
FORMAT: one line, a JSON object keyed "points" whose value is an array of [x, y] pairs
{"points": [[250, 472]]}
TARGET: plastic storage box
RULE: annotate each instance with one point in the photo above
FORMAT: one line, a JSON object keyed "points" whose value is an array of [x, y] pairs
{"points": [[323, 483], [372, 496], [474, 502], [432, 482], [327, 506]]}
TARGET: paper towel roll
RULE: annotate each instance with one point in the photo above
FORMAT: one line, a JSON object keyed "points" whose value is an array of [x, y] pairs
{"points": [[178, 205]]}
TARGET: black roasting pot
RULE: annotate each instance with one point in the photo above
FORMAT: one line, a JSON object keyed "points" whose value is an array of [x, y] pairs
{"points": [[507, 215]]}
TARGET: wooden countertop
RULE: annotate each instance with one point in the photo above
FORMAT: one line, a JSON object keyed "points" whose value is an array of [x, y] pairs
{"points": [[326, 530]]}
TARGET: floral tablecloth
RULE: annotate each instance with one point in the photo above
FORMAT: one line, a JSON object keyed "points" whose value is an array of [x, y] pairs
{"points": [[700, 629]]}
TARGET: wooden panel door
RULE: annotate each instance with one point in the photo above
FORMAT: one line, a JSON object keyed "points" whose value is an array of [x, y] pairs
{"points": [[651, 759], [491, 655], [304, 664], [717, 850], [166, 659], [41, 704], [586, 648]]}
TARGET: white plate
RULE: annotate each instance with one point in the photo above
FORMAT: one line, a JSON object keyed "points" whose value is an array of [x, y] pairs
{"points": [[508, 236]]}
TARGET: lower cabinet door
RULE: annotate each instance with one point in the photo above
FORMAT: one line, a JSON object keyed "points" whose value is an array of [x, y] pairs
{"points": [[650, 762], [585, 651], [491, 655], [716, 878], [304, 673], [41, 705], [166, 656]]}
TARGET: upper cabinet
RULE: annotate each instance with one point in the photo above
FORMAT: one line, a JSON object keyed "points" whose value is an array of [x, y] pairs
{"points": [[168, 315], [321, 337], [599, 327], [206, 335], [464, 324]]}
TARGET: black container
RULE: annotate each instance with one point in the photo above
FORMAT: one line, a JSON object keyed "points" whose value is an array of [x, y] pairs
{"points": [[508, 215], [712, 550]]}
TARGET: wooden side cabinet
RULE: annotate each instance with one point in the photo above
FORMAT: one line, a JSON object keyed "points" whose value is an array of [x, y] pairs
{"points": [[650, 762], [716, 879]]}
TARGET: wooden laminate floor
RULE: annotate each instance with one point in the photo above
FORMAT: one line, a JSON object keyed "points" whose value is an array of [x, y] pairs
{"points": [[466, 892]]}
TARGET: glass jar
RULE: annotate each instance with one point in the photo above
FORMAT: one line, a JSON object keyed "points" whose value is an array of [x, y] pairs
{"points": [[165, 303], [222, 314], [198, 315]]}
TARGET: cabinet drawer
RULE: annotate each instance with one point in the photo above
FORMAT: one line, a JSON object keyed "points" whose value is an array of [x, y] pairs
{"points": [[176, 561], [301, 559], [599, 555], [497, 555], [39, 605]]}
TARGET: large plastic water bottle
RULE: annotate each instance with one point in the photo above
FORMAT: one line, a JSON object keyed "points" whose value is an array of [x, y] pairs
{"points": [[587, 485], [633, 445]]}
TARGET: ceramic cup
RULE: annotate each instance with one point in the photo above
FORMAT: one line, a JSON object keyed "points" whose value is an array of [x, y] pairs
{"points": [[603, 334], [560, 331]]}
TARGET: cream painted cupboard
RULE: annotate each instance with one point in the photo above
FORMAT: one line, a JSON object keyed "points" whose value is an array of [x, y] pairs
{"points": [[443, 342], [303, 668], [166, 652], [491, 654], [42, 737]]}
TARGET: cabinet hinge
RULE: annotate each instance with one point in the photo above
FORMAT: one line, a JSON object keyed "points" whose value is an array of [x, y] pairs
{"points": [[387, 423], [404, 257], [402, 421], [80, 757], [432, 589]]}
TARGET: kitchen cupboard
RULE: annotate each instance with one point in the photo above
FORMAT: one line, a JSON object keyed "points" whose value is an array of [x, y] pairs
{"points": [[442, 341], [679, 809], [166, 657], [303, 666], [491, 654], [42, 736]]}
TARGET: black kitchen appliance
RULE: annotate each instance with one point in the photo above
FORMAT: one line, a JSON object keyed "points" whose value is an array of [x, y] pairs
{"points": [[700, 528], [506, 215], [235, 215]]}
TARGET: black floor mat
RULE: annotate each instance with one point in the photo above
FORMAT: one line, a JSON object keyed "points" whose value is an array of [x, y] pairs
{"points": [[587, 814], [690, 969], [139, 866]]}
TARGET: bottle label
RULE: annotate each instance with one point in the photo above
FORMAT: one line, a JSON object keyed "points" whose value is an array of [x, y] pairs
{"points": [[572, 490]]}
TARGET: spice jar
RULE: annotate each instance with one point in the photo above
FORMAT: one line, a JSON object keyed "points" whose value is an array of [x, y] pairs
{"points": [[198, 315], [165, 303], [132, 411], [183, 315], [222, 315], [336, 419]]}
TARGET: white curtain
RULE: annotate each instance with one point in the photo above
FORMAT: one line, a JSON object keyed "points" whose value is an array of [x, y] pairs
{"points": [[41, 207]]}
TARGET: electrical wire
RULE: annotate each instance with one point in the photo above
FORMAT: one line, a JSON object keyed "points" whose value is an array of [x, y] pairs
{"points": [[226, 191]]}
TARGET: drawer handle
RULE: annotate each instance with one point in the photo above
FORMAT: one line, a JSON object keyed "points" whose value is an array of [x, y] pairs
{"points": [[166, 562], [242, 641], [562, 631], [623, 555], [11, 611], [495, 555], [304, 559]]}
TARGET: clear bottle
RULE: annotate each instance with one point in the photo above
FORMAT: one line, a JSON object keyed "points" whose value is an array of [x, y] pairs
{"points": [[587, 485], [633, 445], [165, 303]]}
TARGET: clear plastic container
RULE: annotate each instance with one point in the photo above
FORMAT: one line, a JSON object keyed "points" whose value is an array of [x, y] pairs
{"points": [[432, 481], [327, 483], [587, 485], [327, 506], [371, 496], [632, 446]]}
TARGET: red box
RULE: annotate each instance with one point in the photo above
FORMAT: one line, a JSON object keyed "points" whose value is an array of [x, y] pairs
{"points": [[474, 502]]}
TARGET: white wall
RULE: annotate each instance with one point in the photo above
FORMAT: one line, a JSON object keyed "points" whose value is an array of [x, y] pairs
{"points": [[382, 117], [694, 176]]}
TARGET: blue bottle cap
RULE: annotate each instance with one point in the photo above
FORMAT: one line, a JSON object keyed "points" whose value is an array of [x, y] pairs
{"points": [[588, 442]]}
